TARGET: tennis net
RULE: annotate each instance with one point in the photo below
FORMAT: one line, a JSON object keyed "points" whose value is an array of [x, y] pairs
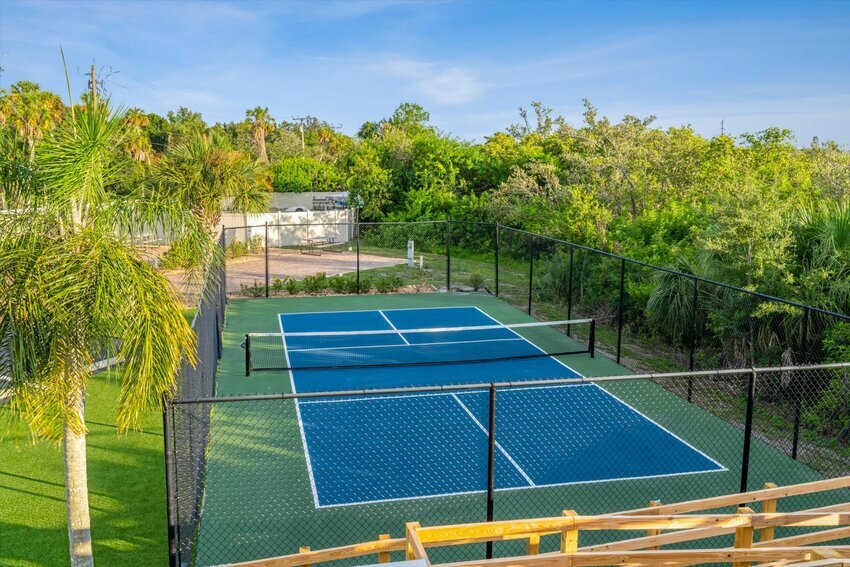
{"points": [[413, 347]]}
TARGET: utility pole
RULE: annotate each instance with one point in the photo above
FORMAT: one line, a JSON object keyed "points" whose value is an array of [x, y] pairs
{"points": [[301, 120], [93, 85], [722, 128]]}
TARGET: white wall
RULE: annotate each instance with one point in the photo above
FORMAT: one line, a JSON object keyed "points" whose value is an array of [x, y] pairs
{"points": [[298, 226]]}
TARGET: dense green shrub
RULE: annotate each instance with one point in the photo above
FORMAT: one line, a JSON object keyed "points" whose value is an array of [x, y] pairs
{"points": [[300, 174], [315, 284], [255, 290], [343, 284], [476, 281], [277, 284], [177, 257], [365, 283], [292, 286]]}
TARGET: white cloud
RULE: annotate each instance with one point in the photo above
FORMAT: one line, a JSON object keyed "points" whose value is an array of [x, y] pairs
{"points": [[446, 85]]}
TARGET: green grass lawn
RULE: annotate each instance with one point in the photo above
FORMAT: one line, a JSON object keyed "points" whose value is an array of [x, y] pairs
{"points": [[126, 490]]}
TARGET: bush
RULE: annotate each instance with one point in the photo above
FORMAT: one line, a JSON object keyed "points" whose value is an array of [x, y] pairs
{"points": [[365, 284], [292, 286], [300, 174], [315, 284], [388, 283], [277, 284], [476, 281], [255, 290], [236, 249], [343, 284]]}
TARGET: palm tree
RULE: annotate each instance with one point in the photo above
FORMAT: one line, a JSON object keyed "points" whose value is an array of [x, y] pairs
{"points": [[136, 142], [262, 123], [73, 283], [31, 111], [203, 171]]}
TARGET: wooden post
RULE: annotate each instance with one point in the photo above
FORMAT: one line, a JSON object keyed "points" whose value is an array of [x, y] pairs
{"points": [[569, 537], [410, 548], [743, 537], [654, 532], [533, 544], [304, 549], [384, 556], [768, 507]]}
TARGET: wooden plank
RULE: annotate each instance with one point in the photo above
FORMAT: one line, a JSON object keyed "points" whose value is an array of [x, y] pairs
{"points": [[745, 497], [324, 555], [743, 537], [569, 537], [415, 549], [384, 556], [533, 544], [808, 539], [304, 549], [670, 556], [768, 507]]}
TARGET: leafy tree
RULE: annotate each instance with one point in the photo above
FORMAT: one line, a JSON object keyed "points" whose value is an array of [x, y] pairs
{"points": [[368, 183], [135, 140], [410, 117], [300, 174], [184, 125], [31, 111], [74, 283]]}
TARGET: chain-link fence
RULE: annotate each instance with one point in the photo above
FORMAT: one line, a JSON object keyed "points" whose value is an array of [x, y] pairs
{"points": [[187, 434], [276, 473], [650, 318]]}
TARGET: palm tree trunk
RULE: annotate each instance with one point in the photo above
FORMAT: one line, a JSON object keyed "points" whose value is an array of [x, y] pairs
{"points": [[77, 495]]}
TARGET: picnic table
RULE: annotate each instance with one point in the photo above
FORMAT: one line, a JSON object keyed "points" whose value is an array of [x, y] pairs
{"points": [[313, 245]]}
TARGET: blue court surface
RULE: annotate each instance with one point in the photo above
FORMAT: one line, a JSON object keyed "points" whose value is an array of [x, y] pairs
{"points": [[394, 447]]}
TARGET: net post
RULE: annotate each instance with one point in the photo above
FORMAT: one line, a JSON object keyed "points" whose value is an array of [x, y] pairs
{"points": [[530, 270], [620, 308], [448, 255], [266, 246], [570, 291], [798, 402], [357, 247], [748, 430], [592, 339], [247, 354], [491, 463], [496, 250]]}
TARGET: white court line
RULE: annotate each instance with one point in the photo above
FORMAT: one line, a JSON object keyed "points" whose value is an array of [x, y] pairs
{"points": [[498, 445], [393, 326], [577, 375], [372, 310], [408, 344], [298, 416]]}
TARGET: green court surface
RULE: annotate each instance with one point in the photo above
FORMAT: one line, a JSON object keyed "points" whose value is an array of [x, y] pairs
{"points": [[258, 500]]}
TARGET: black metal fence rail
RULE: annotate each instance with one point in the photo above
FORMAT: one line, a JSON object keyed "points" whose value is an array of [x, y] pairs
{"points": [[255, 505]]}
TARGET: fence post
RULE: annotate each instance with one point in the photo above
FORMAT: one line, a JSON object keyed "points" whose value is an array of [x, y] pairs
{"points": [[748, 430], [591, 342], [693, 337], [223, 245], [620, 308], [266, 245], [247, 354], [384, 556], [497, 257], [798, 403], [448, 255], [170, 497], [569, 536], [570, 290], [491, 464], [530, 270], [357, 247]]}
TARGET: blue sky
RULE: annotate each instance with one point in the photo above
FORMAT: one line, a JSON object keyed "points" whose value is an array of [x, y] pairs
{"points": [[471, 64]]}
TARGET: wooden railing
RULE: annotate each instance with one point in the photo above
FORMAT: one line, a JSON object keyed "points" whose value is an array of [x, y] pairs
{"points": [[679, 521]]}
